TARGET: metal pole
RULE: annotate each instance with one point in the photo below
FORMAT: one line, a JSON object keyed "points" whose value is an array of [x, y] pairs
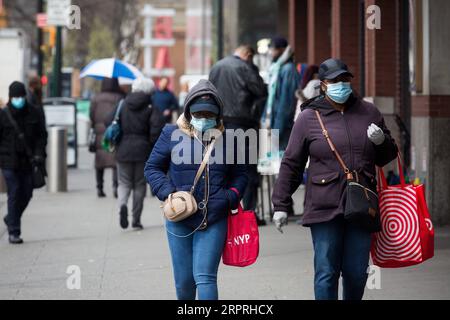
{"points": [[219, 29], [57, 160], [40, 68], [57, 64]]}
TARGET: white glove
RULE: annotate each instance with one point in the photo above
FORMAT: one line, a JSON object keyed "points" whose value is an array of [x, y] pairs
{"points": [[375, 134], [280, 219]]}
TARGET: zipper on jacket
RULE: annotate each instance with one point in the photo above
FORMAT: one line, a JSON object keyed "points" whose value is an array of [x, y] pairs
{"points": [[349, 141]]}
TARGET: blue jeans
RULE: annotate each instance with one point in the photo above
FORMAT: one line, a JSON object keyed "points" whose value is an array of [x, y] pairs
{"points": [[196, 259], [20, 191], [340, 248]]}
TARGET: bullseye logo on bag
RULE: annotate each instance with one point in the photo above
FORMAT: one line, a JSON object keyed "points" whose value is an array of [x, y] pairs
{"points": [[429, 224], [241, 239], [400, 235]]}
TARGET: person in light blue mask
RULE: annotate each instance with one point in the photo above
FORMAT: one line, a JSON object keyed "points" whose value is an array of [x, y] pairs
{"points": [[196, 243], [23, 139], [359, 133]]}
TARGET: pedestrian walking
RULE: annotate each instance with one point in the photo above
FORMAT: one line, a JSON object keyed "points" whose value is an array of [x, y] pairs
{"points": [[283, 81], [141, 124], [238, 81], [165, 99], [102, 105], [358, 131], [309, 88], [22, 145], [197, 242]]}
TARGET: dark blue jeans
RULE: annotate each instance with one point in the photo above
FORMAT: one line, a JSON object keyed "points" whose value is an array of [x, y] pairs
{"points": [[340, 248], [20, 191], [196, 259]]}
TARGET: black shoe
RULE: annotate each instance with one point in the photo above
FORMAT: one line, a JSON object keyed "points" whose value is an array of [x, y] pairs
{"points": [[261, 222], [15, 239], [137, 225], [100, 193], [124, 217], [116, 195]]}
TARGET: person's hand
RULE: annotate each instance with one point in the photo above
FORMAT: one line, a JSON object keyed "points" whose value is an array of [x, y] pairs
{"points": [[375, 134], [167, 112], [280, 219]]}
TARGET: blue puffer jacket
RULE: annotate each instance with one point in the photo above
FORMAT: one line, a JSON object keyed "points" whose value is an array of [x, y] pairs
{"points": [[166, 174]]}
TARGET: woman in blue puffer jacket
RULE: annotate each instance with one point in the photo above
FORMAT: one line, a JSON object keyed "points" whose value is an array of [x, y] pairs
{"points": [[197, 243]]}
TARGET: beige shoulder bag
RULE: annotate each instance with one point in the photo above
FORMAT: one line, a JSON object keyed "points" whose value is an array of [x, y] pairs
{"points": [[182, 204]]}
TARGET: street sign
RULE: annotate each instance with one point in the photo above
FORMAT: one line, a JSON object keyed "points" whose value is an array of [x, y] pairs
{"points": [[58, 12], [41, 20]]}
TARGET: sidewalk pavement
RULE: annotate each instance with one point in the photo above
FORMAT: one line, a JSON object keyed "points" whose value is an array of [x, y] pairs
{"points": [[77, 228]]}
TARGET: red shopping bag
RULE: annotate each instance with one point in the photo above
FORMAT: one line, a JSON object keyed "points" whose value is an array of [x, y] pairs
{"points": [[407, 236], [242, 244]]}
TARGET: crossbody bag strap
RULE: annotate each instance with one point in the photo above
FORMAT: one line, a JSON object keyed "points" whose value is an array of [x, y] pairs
{"points": [[203, 164], [349, 175], [18, 131], [119, 109]]}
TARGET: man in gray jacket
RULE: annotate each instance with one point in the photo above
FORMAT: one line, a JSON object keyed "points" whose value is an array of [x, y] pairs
{"points": [[243, 92]]}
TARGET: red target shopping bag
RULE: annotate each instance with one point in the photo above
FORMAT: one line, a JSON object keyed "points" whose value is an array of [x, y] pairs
{"points": [[407, 236], [242, 243]]}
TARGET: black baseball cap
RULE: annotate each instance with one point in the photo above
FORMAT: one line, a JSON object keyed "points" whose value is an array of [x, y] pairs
{"points": [[333, 68], [204, 103]]}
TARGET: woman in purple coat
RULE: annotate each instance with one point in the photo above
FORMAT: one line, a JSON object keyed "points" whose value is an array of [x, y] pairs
{"points": [[360, 135]]}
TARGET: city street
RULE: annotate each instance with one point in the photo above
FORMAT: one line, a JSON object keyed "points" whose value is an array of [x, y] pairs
{"points": [[78, 229]]}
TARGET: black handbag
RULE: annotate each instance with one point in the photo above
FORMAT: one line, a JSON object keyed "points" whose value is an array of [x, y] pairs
{"points": [[92, 145], [361, 203], [38, 171]]}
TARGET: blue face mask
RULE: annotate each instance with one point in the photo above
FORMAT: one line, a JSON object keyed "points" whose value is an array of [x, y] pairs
{"points": [[18, 103], [203, 124], [339, 92]]}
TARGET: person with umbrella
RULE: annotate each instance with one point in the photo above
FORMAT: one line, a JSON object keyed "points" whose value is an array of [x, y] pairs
{"points": [[101, 107]]}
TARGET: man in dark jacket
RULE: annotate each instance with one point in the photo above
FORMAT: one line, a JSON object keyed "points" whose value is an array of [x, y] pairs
{"points": [[164, 99], [141, 124], [283, 82], [17, 152], [242, 90]]}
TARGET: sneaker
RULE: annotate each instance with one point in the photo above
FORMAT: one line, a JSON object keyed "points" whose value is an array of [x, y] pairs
{"points": [[137, 225], [124, 217], [15, 239]]}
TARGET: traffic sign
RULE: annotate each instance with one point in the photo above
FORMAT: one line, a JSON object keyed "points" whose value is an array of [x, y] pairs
{"points": [[58, 12], [41, 20]]}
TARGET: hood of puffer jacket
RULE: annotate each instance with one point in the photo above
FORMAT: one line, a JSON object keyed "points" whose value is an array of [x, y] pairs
{"points": [[204, 87], [137, 100]]}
